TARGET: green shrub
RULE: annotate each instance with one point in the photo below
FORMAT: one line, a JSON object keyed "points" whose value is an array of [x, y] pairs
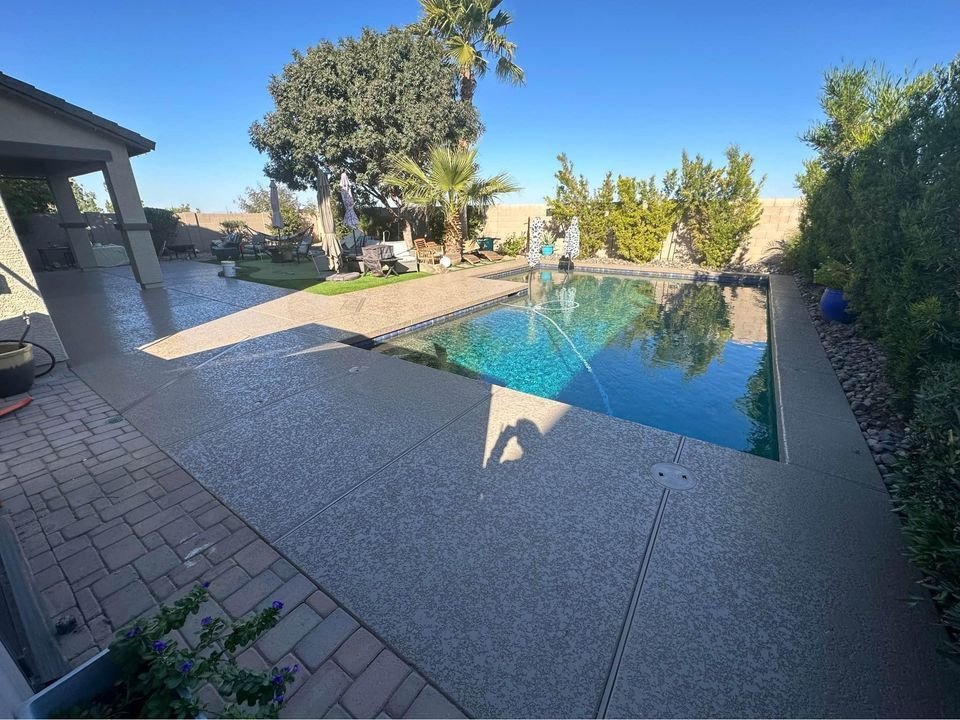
{"points": [[514, 244], [927, 491], [164, 230], [832, 274], [643, 217], [718, 206]]}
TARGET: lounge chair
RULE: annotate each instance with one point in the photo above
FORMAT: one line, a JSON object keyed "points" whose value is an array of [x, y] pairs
{"points": [[491, 255], [471, 258]]}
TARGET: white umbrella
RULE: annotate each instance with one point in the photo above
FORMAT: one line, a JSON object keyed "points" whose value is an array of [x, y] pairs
{"points": [[350, 218], [327, 230], [277, 220]]}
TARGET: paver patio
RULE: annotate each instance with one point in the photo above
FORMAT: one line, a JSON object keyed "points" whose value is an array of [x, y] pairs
{"points": [[517, 551]]}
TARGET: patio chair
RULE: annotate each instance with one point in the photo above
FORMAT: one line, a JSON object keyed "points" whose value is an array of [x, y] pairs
{"points": [[227, 247], [304, 242], [427, 252], [255, 245]]}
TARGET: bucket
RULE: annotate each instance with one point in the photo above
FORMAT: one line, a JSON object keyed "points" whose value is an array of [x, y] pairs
{"points": [[229, 268], [16, 368]]}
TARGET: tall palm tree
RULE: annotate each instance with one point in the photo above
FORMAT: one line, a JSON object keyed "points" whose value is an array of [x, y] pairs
{"points": [[472, 31], [450, 180]]}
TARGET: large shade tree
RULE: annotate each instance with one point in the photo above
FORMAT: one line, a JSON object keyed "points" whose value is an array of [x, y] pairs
{"points": [[450, 180], [472, 32], [353, 105]]}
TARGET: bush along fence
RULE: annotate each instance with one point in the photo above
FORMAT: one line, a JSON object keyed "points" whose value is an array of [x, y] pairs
{"points": [[881, 199], [712, 209]]}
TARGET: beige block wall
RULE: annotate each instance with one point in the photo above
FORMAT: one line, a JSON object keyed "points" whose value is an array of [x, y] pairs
{"points": [[19, 293], [503, 220]]}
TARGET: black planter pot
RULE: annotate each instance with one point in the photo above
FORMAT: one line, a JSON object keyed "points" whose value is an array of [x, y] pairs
{"points": [[16, 368]]}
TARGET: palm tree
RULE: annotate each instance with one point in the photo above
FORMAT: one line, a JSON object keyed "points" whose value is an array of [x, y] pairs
{"points": [[472, 30], [450, 180]]}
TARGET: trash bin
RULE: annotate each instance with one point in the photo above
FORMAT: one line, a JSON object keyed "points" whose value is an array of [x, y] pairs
{"points": [[229, 268], [486, 243]]}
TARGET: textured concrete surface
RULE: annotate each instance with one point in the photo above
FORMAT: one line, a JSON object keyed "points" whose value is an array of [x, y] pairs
{"points": [[772, 591], [321, 439], [516, 551], [506, 566]]}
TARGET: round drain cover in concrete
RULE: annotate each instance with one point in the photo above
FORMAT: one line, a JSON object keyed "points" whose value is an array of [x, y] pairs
{"points": [[673, 476]]}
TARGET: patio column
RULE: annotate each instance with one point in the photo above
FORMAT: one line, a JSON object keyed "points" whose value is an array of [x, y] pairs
{"points": [[72, 221], [131, 221]]}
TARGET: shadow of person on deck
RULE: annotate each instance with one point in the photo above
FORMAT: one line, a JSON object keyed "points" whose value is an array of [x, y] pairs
{"points": [[510, 444]]}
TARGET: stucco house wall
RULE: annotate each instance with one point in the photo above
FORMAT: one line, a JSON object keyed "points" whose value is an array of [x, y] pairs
{"points": [[19, 293]]}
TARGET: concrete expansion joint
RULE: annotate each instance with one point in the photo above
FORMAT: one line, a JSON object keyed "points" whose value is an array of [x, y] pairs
{"points": [[614, 671]]}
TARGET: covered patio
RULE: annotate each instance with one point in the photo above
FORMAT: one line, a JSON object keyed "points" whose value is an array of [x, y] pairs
{"points": [[47, 138]]}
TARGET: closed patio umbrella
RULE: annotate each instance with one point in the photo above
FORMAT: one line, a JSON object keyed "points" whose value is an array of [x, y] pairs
{"points": [[350, 218], [277, 219], [327, 230]]}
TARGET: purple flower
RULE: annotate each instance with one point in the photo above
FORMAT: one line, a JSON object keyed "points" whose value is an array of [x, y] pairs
{"points": [[277, 679], [205, 585], [159, 646], [206, 621], [133, 632], [278, 699], [296, 669], [277, 605], [186, 666], [285, 669]]}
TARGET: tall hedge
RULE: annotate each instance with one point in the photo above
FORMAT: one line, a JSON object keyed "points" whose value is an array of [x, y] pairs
{"points": [[882, 196]]}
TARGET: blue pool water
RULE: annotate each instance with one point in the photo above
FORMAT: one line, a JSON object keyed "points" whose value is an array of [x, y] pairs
{"points": [[687, 357]]}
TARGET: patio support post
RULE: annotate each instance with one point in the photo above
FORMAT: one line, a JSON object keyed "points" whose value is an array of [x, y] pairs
{"points": [[72, 221], [131, 221]]}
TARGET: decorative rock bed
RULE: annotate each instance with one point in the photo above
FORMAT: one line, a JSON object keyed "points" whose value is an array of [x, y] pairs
{"points": [[858, 363]]}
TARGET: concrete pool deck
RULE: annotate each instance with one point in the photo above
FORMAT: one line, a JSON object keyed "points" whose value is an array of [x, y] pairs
{"points": [[519, 552]]}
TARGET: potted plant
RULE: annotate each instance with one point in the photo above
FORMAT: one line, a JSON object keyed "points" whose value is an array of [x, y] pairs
{"points": [[145, 673], [547, 247], [834, 276]]}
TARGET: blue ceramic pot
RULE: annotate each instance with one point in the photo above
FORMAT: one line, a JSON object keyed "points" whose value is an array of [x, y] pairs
{"points": [[833, 306], [547, 249]]}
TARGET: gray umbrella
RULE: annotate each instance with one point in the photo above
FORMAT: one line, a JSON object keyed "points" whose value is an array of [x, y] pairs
{"points": [[277, 219], [327, 230]]}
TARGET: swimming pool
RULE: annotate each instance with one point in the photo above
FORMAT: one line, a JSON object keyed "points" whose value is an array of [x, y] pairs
{"points": [[689, 357]]}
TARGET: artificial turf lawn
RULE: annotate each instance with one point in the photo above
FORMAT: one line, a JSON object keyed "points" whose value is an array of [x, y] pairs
{"points": [[303, 276]]}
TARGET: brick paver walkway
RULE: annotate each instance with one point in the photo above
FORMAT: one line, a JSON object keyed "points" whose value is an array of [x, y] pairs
{"points": [[111, 526]]}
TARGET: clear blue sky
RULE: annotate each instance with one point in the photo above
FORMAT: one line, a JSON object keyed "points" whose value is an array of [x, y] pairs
{"points": [[620, 85]]}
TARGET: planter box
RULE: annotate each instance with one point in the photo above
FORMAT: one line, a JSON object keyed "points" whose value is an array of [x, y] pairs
{"points": [[77, 686]]}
